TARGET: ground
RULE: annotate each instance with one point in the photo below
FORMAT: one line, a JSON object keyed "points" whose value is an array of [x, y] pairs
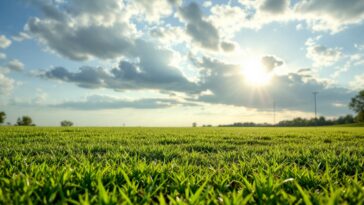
{"points": [[182, 165]]}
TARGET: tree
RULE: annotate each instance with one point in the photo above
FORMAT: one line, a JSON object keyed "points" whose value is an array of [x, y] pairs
{"points": [[25, 121], [66, 123], [2, 117], [357, 105]]}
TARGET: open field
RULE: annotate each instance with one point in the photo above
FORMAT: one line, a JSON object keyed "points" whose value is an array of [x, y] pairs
{"points": [[182, 165]]}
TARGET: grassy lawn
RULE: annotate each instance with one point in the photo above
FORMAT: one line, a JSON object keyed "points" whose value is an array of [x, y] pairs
{"points": [[181, 165]]}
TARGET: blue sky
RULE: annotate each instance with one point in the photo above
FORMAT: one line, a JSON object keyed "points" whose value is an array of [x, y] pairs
{"points": [[174, 62]]}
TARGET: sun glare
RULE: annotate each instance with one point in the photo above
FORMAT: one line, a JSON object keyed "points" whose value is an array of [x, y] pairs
{"points": [[255, 74]]}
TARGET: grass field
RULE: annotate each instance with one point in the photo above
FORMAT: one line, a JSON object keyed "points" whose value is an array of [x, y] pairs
{"points": [[181, 165]]}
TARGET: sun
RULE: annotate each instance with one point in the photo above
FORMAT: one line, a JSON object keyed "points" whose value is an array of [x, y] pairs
{"points": [[255, 74]]}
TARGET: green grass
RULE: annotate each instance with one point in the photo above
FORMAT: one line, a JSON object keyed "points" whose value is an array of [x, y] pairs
{"points": [[181, 165]]}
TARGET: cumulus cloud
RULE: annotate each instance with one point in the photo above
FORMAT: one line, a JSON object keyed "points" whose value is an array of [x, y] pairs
{"points": [[153, 11], [80, 31], [201, 31], [271, 62], [169, 35], [292, 91], [220, 83], [227, 46], [229, 19], [274, 6], [357, 83], [21, 37], [333, 15], [152, 71], [15, 65], [82, 42], [322, 55], [4, 42], [100, 102], [6, 84]]}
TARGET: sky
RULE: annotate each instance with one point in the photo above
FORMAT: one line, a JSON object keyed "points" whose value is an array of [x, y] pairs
{"points": [[175, 62]]}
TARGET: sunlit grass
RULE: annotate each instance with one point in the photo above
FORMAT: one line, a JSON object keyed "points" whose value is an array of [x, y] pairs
{"points": [[181, 165]]}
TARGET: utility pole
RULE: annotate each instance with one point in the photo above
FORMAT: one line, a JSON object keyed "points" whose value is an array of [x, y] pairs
{"points": [[274, 112], [314, 96]]}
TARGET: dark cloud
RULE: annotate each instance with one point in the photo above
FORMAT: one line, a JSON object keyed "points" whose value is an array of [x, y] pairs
{"points": [[338, 9], [49, 10], [201, 31], [97, 102], [333, 15], [275, 6], [93, 6], [227, 46], [87, 77], [271, 62], [81, 43], [152, 71]]}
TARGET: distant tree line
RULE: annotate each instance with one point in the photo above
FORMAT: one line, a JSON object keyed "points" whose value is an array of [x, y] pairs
{"points": [[321, 121], [298, 122], [247, 124], [27, 121], [356, 104]]}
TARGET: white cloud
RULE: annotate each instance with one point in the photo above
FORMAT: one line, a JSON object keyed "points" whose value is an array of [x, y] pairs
{"points": [[4, 42], [6, 84], [81, 31], [249, 14], [321, 55], [21, 37], [15, 65], [228, 19], [169, 35], [152, 11], [2, 56], [207, 4], [331, 15], [357, 83]]}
